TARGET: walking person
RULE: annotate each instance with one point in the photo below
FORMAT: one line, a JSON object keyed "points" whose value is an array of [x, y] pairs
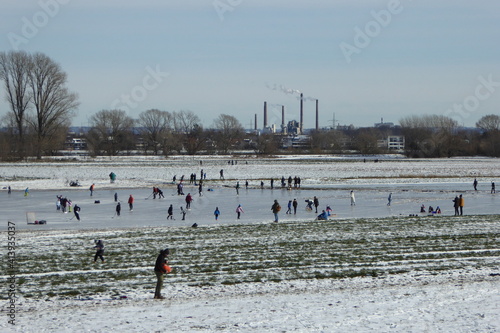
{"points": [[239, 210], [200, 188], [76, 211], [160, 271], [389, 199], [118, 209], [353, 199], [189, 198], [99, 245], [295, 204], [170, 212], [9, 190], [475, 184], [216, 213], [131, 202], [237, 188], [456, 205], [289, 210], [91, 189], [221, 172], [276, 209], [116, 196], [316, 203], [493, 188], [461, 203], [183, 213]]}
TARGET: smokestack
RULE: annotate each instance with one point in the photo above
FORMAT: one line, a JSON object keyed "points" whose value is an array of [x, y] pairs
{"points": [[282, 115], [301, 113], [265, 115], [317, 116], [255, 122]]}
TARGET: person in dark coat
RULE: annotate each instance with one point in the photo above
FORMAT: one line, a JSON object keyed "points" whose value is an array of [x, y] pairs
{"points": [[316, 203], [99, 245], [456, 205], [118, 209], [160, 271], [170, 212], [295, 204], [76, 211]]}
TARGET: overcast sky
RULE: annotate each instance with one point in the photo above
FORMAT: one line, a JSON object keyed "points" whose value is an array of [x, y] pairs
{"points": [[363, 60]]}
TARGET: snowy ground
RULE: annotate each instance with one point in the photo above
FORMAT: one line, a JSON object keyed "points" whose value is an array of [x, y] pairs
{"points": [[371, 268]]}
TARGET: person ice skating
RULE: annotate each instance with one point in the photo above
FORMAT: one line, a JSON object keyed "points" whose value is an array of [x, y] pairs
{"points": [[183, 213], [160, 271], [216, 213], [272, 183], [9, 190], [493, 188], [170, 212], [246, 184], [91, 189], [289, 210], [112, 177], [26, 192], [131, 202], [118, 209], [389, 199], [200, 188], [58, 202], [353, 199], [461, 203], [221, 172], [323, 216], [160, 193], [276, 209], [76, 211], [261, 184], [189, 199], [237, 188], [116, 197], [475, 184], [309, 205], [99, 245], [456, 205], [316, 203], [239, 210]]}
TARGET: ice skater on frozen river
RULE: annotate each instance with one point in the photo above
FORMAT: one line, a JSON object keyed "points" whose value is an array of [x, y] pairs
{"points": [[276, 209]]}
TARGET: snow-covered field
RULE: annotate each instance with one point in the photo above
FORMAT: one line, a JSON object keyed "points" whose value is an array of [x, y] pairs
{"points": [[372, 268]]}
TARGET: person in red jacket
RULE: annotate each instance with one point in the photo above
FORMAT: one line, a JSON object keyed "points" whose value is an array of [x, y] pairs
{"points": [[189, 198], [131, 202]]}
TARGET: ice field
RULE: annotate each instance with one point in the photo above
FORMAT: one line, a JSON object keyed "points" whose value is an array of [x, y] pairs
{"points": [[370, 268]]}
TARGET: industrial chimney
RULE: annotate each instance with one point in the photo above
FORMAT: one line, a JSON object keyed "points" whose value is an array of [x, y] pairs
{"points": [[255, 123], [301, 113], [265, 115], [317, 116], [282, 115]]}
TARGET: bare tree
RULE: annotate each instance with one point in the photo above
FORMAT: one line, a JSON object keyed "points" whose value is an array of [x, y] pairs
{"points": [[53, 103], [430, 135], [228, 132], [490, 139], [489, 123], [189, 131], [14, 70], [111, 132], [155, 129]]}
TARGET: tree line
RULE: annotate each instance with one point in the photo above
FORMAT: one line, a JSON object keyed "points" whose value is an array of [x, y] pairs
{"points": [[41, 108]]}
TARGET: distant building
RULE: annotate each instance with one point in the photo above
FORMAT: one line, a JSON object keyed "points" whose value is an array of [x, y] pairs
{"points": [[382, 124], [393, 143]]}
